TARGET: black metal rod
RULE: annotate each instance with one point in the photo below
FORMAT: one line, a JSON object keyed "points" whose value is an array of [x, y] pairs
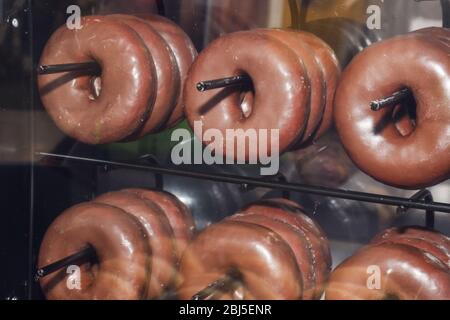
{"points": [[159, 179], [85, 254], [221, 285], [430, 214], [68, 67], [293, 187], [222, 83], [424, 195], [396, 98], [279, 177]]}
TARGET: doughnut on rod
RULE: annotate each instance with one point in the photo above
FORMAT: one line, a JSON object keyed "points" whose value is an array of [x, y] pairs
{"points": [[68, 67], [396, 98], [83, 255], [208, 84]]}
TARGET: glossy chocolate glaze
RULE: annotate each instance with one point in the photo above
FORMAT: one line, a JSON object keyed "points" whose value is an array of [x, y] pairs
{"points": [[306, 55], [299, 245], [292, 214], [429, 241], [265, 261], [280, 84], [329, 64], [184, 52], [121, 247], [168, 76], [179, 216], [159, 237], [422, 158], [440, 33], [128, 81], [407, 273]]}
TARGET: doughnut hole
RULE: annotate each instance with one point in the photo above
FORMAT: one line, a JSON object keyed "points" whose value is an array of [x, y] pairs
{"points": [[90, 268], [404, 116], [246, 97], [95, 85]]}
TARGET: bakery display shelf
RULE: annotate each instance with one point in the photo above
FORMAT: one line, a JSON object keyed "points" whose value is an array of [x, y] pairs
{"points": [[422, 200]]}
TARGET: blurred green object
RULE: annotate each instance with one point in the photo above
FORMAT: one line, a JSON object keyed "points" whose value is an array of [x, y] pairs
{"points": [[155, 144]]}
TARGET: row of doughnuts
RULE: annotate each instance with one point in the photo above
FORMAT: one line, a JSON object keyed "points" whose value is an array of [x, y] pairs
{"points": [[138, 90], [293, 80], [138, 237], [273, 250], [408, 263], [144, 68], [277, 251], [410, 151]]}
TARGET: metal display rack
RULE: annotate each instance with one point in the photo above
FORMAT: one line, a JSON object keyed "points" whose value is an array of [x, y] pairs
{"points": [[422, 200]]}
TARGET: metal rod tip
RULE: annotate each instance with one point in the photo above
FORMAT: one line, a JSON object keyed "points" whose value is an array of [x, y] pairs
{"points": [[375, 106], [201, 87]]}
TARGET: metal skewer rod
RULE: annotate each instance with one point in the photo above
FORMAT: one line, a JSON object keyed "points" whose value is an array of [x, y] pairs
{"points": [[424, 195], [68, 67], [85, 254], [392, 100], [221, 285], [287, 186], [223, 82]]}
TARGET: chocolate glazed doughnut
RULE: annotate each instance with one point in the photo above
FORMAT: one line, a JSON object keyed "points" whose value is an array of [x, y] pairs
{"points": [[407, 273], [250, 53], [179, 216], [122, 267], [440, 33], [168, 76], [422, 158], [299, 245], [128, 81], [290, 213], [184, 52], [331, 70], [430, 241], [317, 98], [159, 237], [263, 259]]}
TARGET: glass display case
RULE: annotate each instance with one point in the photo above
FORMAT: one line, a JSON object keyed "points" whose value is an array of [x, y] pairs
{"points": [[47, 166]]}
